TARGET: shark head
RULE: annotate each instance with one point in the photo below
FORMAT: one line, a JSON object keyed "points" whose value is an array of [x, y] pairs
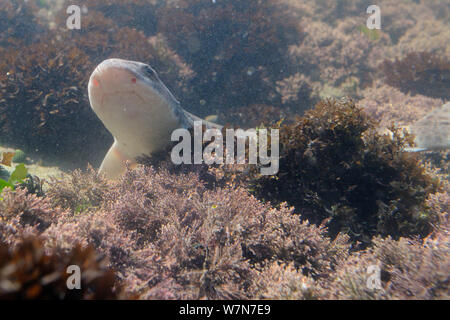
{"points": [[130, 98], [136, 107]]}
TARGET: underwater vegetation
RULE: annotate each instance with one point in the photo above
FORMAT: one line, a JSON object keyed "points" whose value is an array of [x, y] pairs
{"points": [[235, 48], [428, 34], [9, 177], [169, 236], [340, 76], [17, 176], [43, 106], [174, 235], [388, 105], [419, 73], [12, 176], [398, 17], [410, 269], [335, 166], [78, 193], [18, 22], [22, 213], [28, 272]]}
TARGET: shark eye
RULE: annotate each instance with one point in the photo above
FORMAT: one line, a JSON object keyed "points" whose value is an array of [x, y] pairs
{"points": [[149, 72]]}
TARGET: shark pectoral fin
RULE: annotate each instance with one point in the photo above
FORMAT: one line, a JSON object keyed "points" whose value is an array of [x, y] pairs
{"points": [[113, 164], [209, 124]]}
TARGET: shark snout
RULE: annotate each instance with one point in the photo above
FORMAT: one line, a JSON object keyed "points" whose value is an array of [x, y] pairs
{"points": [[110, 77]]}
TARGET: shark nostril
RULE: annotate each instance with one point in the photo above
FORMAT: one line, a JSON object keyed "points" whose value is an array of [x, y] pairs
{"points": [[95, 82]]}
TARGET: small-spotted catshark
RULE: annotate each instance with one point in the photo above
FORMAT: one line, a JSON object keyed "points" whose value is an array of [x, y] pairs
{"points": [[138, 110]]}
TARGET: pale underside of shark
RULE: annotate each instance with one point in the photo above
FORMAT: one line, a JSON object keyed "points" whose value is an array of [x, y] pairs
{"points": [[138, 110]]}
